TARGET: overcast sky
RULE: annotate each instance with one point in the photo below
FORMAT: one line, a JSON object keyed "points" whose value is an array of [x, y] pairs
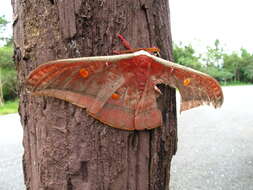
{"points": [[200, 22], [203, 21]]}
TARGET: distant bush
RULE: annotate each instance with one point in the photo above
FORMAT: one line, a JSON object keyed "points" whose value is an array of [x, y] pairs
{"points": [[8, 75], [226, 68]]}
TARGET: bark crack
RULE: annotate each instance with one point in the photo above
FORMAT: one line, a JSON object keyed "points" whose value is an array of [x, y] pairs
{"points": [[84, 171], [145, 8], [52, 2], [69, 184]]}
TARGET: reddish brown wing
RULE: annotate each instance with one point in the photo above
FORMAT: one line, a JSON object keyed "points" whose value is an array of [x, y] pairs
{"points": [[120, 90], [109, 90], [195, 88]]}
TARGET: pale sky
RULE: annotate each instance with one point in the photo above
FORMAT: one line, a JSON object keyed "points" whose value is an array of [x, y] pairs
{"points": [[6, 10], [200, 22], [203, 21]]}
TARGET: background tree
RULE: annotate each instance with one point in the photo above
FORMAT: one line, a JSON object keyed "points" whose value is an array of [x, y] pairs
{"points": [[1, 90], [3, 23], [246, 67], [214, 55], [185, 55], [8, 75], [231, 64], [64, 147], [225, 67], [7, 67]]}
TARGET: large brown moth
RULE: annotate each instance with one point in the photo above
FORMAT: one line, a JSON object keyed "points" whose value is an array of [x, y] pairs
{"points": [[120, 90]]}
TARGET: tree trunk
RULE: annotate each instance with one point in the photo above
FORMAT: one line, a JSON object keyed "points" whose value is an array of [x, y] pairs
{"points": [[65, 149]]}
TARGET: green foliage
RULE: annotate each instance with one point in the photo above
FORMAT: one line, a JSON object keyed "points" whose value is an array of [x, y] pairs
{"points": [[214, 54], [9, 80], [220, 74], [185, 55], [241, 65], [8, 74], [231, 62], [246, 69], [6, 53], [3, 23], [248, 72], [226, 68], [234, 83], [9, 107]]}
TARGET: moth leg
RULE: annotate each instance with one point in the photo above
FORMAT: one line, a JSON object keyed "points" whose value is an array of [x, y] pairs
{"points": [[125, 43]]}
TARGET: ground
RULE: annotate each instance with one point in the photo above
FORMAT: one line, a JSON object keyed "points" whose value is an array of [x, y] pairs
{"points": [[11, 176], [214, 150]]}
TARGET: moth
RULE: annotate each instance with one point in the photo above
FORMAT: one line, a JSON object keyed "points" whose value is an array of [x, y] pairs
{"points": [[121, 90]]}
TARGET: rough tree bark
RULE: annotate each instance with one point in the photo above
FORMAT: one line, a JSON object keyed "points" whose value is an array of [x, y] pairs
{"points": [[65, 148]]}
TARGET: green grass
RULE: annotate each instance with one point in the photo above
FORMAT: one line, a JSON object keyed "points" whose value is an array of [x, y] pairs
{"points": [[9, 107], [234, 83]]}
